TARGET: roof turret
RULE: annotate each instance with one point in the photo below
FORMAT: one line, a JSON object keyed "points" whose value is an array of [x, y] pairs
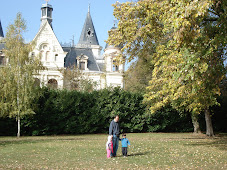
{"points": [[88, 35], [46, 14], [112, 46], [1, 31]]}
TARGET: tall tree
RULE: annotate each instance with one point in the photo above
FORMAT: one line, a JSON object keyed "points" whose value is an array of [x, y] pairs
{"points": [[188, 43], [17, 76], [138, 75]]}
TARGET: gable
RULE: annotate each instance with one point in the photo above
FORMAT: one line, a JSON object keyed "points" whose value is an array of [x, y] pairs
{"points": [[46, 36]]}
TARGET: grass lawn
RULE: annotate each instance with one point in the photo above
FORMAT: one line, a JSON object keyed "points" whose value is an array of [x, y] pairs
{"points": [[147, 151]]}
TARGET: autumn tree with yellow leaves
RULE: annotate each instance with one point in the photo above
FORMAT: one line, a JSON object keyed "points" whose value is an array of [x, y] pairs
{"points": [[187, 43], [17, 83]]}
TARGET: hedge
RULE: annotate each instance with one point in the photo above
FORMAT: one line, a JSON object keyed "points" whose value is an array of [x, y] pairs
{"points": [[75, 112]]}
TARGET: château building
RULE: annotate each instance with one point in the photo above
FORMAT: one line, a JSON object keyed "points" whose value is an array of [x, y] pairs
{"points": [[86, 55]]}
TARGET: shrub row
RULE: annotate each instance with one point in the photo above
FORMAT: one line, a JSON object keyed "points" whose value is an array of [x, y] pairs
{"points": [[73, 112]]}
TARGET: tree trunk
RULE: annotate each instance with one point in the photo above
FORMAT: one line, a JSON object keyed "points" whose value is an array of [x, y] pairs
{"points": [[209, 127], [195, 123], [18, 126]]}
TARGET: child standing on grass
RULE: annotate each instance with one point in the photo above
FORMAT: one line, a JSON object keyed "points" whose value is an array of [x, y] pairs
{"points": [[124, 144], [109, 146]]}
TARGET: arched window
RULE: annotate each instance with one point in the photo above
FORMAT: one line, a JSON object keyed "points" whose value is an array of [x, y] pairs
{"points": [[53, 84], [48, 56], [45, 54], [56, 57], [42, 56], [45, 47]]}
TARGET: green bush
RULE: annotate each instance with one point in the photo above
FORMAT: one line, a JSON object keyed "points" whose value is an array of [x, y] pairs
{"points": [[8, 127], [169, 120], [73, 112], [76, 112]]}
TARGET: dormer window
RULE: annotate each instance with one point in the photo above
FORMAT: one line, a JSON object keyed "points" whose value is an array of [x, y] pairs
{"points": [[82, 65], [90, 33], [82, 62]]}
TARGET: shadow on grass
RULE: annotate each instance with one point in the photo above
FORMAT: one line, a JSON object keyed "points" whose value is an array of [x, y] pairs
{"points": [[220, 142], [139, 154], [34, 140]]}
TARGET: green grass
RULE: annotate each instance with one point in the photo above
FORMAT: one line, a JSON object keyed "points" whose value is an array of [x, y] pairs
{"points": [[147, 151]]}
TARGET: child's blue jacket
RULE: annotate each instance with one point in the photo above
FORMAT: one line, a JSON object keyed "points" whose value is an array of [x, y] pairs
{"points": [[124, 142]]}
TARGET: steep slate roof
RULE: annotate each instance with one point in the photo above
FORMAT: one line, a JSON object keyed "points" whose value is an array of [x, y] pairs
{"points": [[2, 46], [101, 66], [1, 31], [88, 35], [74, 52]]}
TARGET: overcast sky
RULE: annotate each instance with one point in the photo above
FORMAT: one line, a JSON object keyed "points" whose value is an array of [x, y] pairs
{"points": [[68, 17]]}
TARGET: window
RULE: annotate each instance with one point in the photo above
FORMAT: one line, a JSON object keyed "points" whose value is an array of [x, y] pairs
{"points": [[56, 57], [53, 84], [82, 62], [82, 65], [42, 55], [44, 12], [48, 56], [2, 60], [90, 33], [33, 55], [45, 47], [49, 12], [115, 66]]}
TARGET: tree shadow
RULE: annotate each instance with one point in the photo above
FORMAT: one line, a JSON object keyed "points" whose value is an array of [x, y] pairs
{"points": [[219, 141], [21, 140], [139, 154]]}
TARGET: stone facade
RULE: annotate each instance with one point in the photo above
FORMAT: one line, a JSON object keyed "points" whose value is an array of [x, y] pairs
{"points": [[86, 55]]}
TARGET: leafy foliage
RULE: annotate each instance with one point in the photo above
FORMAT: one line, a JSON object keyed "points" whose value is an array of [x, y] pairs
{"points": [[17, 90], [76, 112], [74, 79], [187, 43], [138, 75]]}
